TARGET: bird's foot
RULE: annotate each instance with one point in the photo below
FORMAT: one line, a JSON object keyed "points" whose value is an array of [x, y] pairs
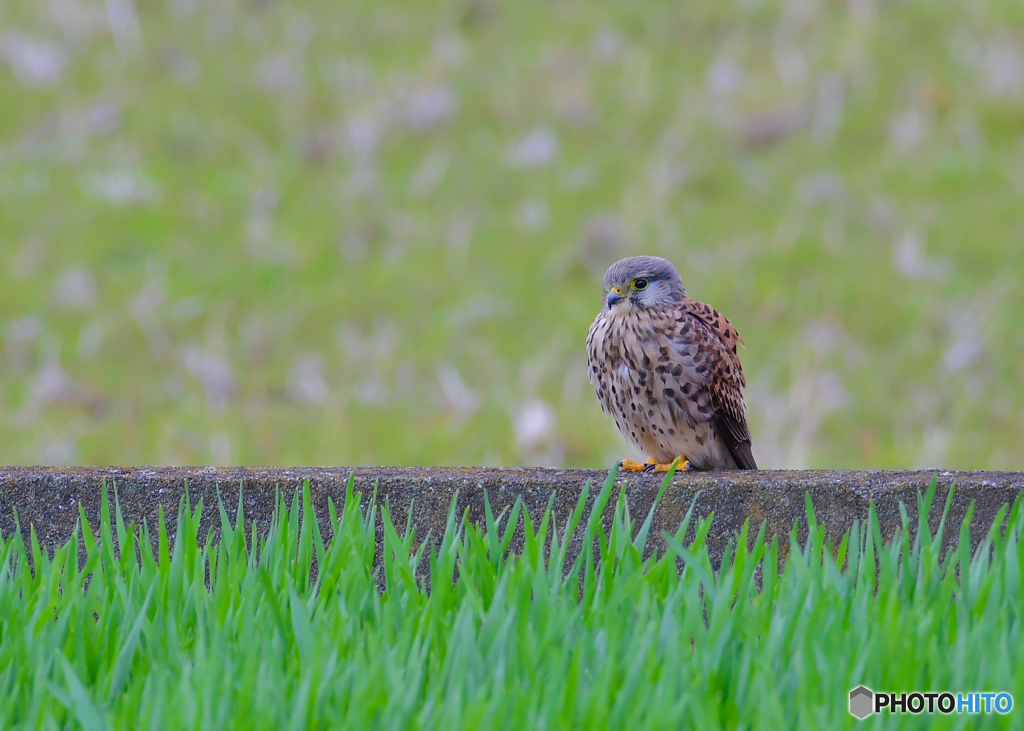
{"points": [[682, 465]]}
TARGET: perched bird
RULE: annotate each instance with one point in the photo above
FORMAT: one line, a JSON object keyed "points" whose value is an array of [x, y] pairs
{"points": [[666, 368]]}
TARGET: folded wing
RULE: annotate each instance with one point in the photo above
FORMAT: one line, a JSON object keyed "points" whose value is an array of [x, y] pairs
{"points": [[713, 345]]}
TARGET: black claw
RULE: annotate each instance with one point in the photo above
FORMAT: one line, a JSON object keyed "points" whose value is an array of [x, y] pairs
{"points": [[649, 467]]}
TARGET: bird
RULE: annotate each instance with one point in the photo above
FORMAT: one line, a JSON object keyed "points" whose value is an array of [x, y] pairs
{"points": [[666, 369]]}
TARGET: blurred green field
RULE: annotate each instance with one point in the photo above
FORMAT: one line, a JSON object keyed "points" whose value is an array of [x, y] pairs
{"points": [[357, 233]]}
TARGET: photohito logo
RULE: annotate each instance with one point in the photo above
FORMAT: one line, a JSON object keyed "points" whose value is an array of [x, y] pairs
{"points": [[864, 702]]}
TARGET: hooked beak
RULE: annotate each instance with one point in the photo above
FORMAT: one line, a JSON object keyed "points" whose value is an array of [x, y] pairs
{"points": [[615, 295]]}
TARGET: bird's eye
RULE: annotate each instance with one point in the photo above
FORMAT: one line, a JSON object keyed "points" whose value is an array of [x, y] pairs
{"points": [[639, 284]]}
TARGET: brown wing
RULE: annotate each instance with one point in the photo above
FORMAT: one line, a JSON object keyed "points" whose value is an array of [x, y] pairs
{"points": [[725, 379]]}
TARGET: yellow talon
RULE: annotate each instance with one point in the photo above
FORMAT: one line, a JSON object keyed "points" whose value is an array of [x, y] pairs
{"points": [[682, 465], [652, 466]]}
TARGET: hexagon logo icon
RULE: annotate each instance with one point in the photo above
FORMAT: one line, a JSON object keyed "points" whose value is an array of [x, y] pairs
{"points": [[861, 702]]}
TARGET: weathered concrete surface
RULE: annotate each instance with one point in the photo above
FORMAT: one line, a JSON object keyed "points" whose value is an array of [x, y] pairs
{"points": [[49, 498]]}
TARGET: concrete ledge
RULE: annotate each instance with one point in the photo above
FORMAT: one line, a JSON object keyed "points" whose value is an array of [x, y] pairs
{"points": [[49, 498]]}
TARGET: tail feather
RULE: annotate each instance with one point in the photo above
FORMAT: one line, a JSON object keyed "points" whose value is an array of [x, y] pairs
{"points": [[743, 455]]}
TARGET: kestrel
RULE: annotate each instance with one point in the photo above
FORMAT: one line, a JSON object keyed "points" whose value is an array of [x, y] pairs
{"points": [[666, 368]]}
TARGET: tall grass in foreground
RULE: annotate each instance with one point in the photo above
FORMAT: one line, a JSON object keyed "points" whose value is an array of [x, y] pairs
{"points": [[204, 635]]}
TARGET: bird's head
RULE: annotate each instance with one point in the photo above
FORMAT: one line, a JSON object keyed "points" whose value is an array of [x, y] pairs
{"points": [[643, 281]]}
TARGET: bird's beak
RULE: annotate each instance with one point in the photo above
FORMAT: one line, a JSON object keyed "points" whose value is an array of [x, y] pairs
{"points": [[614, 296]]}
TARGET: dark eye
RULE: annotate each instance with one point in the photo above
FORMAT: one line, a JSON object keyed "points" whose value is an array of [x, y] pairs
{"points": [[639, 284]]}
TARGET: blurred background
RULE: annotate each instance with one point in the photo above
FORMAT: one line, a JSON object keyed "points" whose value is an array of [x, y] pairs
{"points": [[335, 233]]}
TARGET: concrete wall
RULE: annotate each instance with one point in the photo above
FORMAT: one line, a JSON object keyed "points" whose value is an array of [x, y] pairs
{"points": [[49, 498]]}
